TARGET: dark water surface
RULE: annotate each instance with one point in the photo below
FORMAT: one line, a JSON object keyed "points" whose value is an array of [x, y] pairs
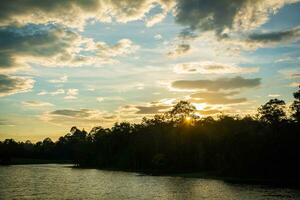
{"points": [[53, 181]]}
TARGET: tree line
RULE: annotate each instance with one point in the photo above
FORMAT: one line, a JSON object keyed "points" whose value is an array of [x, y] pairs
{"points": [[263, 145]]}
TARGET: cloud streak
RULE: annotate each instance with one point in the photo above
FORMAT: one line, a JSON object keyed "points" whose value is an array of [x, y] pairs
{"points": [[218, 84], [36, 104], [212, 68], [216, 98], [10, 85]]}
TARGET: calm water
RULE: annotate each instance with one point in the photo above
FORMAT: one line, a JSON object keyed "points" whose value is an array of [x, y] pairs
{"points": [[62, 182]]}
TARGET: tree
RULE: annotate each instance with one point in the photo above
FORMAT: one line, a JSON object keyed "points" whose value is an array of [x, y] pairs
{"points": [[295, 107], [182, 110], [272, 112]]}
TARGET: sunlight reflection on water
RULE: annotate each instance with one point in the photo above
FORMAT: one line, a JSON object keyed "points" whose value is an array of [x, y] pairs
{"points": [[63, 182]]}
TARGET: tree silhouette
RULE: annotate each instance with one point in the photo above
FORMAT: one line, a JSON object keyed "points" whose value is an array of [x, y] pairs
{"points": [[273, 111], [295, 107], [182, 110]]}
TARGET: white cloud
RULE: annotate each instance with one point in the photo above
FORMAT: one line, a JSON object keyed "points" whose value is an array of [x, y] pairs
{"points": [[209, 67], [155, 19], [57, 92], [274, 95], [158, 37], [100, 99], [62, 79], [71, 94], [36, 104]]}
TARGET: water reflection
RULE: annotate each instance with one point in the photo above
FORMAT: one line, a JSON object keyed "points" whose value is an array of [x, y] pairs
{"points": [[63, 182]]}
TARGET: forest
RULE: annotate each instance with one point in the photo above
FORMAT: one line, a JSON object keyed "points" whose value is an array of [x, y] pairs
{"points": [[265, 145]]}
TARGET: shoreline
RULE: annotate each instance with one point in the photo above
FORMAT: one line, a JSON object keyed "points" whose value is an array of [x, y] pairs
{"points": [[276, 182], [32, 161]]}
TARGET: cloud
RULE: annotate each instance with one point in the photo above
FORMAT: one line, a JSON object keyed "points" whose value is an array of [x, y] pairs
{"points": [[275, 37], [210, 112], [212, 68], [42, 93], [73, 113], [226, 15], [62, 79], [5, 122], [274, 95], [153, 109], [57, 92], [75, 13], [148, 109], [37, 44], [100, 99], [71, 94], [254, 41], [55, 46], [216, 98], [155, 19], [122, 48], [82, 117], [10, 85], [290, 73], [179, 50], [294, 84], [218, 84], [36, 104], [158, 37]]}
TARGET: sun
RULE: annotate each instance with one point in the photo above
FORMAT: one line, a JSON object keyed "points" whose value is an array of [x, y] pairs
{"points": [[188, 119]]}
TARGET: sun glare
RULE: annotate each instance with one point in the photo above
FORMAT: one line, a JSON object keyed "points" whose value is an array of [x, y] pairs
{"points": [[188, 119], [200, 106]]}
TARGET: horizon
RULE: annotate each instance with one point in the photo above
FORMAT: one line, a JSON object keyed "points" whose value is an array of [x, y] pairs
{"points": [[120, 62]]}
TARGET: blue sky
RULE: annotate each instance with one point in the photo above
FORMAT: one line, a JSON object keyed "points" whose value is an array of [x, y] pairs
{"points": [[117, 61]]}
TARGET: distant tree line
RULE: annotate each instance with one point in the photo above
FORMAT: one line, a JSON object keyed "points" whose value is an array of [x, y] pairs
{"points": [[265, 145]]}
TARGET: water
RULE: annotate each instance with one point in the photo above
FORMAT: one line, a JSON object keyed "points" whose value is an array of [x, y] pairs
{"points": [[63, 182]]}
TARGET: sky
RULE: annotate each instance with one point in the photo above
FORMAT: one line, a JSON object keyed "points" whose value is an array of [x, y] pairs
{"points": [[97, 62]]}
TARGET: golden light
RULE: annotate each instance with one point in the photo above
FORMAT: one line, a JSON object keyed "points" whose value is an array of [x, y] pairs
{"points": [[200, 106], [188, 119]]}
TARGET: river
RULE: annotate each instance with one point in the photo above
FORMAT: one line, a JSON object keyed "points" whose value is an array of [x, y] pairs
{"points": [[56, 181]]}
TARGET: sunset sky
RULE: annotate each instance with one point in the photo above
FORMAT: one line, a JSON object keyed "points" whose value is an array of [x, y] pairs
{"points": [[96, 62]]}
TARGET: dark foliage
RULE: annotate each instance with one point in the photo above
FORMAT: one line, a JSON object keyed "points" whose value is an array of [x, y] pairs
{"points": [[266, 146]]}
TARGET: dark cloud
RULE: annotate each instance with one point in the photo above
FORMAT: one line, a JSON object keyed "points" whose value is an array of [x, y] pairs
{"points": [[220, 15], [180, 49], [75, 13], [153, 109], [216, 98], [55, 46], [13, 84], [82, 117], [207, 14], [21, 45], [275, 37], [221, 83], [73, 113]]}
